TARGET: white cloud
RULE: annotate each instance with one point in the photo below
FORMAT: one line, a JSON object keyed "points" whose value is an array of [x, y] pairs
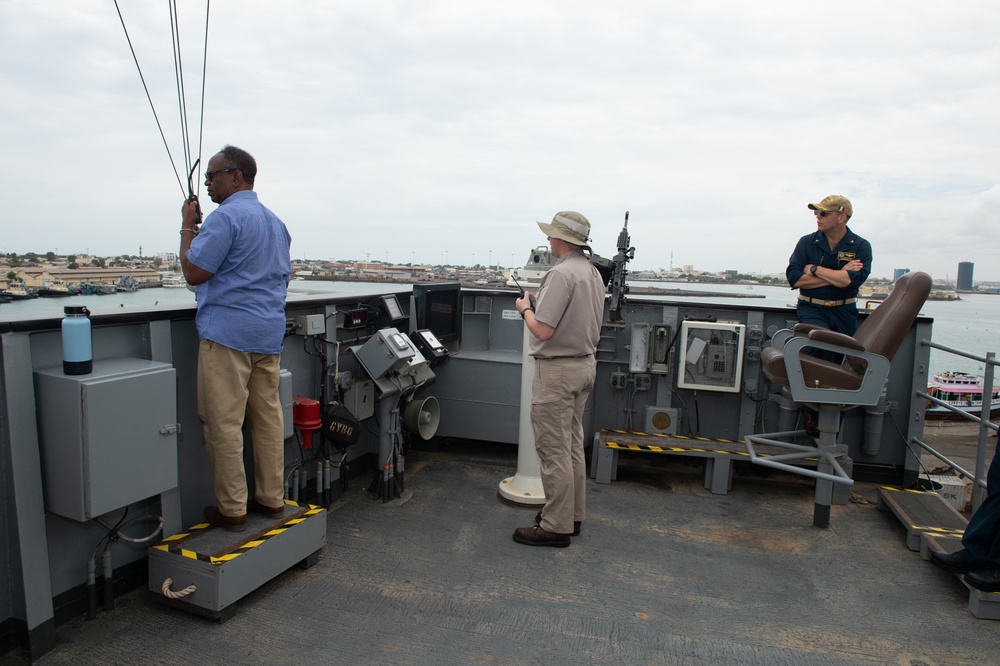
{"points": [[416, 129]]}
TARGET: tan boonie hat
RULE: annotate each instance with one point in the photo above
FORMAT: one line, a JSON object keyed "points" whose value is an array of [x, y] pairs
{"points": [[569, 226], [834, 203]]}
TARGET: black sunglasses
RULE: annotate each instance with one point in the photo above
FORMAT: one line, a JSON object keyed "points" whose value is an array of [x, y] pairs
{"points": [[209, 175]]}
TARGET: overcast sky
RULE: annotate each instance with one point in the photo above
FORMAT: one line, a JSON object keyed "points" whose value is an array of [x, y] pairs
{"points": [[443, 130]]}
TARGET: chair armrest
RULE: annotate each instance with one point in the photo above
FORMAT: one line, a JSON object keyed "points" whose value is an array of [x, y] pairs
{"points": [[872, 379], [782, 336], [834, 338], [805, 329]]}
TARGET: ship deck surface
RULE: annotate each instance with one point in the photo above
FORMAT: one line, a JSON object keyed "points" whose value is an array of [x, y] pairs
{"points": [[663, 573]]}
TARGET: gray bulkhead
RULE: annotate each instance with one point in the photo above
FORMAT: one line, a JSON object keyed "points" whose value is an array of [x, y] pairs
{"points": [[45, 553]]}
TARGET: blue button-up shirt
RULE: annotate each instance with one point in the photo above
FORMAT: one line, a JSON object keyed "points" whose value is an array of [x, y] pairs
{"points": [[246, 248]]}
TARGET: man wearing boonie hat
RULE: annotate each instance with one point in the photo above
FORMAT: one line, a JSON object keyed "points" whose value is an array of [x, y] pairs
{"points": [[565, 325], [828, 267]]}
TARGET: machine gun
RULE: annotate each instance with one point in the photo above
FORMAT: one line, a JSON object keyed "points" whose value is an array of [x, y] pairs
{"points": [[618, 287]]}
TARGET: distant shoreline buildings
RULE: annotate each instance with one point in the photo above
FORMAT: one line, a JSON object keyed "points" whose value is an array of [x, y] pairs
{"points": [[34, 272]]}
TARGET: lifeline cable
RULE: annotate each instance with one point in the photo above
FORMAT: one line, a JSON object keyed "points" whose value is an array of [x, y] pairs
{"points": [[179, 80], [204, 76], [189, 163], [135, 58], [175, 38]]}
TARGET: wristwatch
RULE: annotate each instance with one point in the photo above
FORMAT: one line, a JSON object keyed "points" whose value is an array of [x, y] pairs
{"points": [[812, 269]]}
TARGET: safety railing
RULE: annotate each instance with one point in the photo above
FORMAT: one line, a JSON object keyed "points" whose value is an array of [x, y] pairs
{"points": [[985, 426]]}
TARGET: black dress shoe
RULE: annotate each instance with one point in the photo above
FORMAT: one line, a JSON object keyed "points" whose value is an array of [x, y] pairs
{"points": [[958, 562], [536, 536], [987, 580], [576, 523]]}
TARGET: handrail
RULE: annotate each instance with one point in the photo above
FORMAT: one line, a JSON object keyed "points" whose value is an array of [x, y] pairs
{"points": [[990, 357], [927, 447], [990, 361]]}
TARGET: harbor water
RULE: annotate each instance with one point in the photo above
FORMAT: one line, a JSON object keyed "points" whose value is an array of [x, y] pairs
{"points": [[971, 324]]}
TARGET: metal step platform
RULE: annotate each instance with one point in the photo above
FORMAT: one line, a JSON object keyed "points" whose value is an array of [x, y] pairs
{"points": [[718, 454], [922, 513], [207, 569], [933, 525]]}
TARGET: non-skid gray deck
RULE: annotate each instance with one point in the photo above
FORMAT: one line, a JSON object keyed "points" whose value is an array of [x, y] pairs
{"points": [[663, 573]]}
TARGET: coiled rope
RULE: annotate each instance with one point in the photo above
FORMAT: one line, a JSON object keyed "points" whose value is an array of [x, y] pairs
{"points": [[170, 594]]}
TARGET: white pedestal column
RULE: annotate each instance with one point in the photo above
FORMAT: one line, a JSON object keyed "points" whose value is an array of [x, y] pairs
{"points": [[525, 487]]}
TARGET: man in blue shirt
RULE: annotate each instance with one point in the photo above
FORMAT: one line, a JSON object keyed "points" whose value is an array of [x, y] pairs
{"points": [[828, 267], [239, 263]]}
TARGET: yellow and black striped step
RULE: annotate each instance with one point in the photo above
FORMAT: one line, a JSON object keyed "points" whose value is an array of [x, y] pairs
{"points": [[175, 544]]}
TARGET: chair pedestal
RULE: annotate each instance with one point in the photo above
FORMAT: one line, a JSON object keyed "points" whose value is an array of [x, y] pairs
{"points": [[830, 473]]}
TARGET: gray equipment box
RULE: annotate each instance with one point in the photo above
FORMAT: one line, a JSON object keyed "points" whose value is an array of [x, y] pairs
{"points": [[385, 352], [108, 438]]}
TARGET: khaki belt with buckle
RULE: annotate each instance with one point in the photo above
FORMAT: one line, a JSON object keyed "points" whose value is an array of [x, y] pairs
{"points": [[827, 304]]}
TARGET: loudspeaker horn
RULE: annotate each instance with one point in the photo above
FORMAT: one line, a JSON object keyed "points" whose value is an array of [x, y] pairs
{"points": [[422, 417]]}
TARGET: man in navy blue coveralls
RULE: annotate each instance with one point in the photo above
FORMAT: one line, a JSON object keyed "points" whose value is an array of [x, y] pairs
{"points": [[828, 266], [979, 559]]}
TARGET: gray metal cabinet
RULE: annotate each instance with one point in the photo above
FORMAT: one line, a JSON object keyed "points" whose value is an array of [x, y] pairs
{"points": [[108, 438]]}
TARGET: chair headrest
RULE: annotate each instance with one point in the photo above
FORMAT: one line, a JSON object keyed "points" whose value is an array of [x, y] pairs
{"points": [[885, 329]]}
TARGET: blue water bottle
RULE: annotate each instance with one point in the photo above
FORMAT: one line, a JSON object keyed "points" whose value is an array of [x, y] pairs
{"points": [[78, 350]]}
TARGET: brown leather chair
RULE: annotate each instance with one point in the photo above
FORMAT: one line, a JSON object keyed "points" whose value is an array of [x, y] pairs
{"points": [[833, 388]]}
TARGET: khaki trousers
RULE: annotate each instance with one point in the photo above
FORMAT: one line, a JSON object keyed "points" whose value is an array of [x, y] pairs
{"points": [[559, 394], [233, 385]]}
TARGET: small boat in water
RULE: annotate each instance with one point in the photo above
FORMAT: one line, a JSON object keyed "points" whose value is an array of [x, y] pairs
{"points": [[56, 289], [96, 289], [174, 281], [18, 293], [960, 390]]}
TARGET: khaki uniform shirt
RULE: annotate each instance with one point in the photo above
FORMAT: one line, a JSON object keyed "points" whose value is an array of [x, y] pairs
{"points": [[570, 300]]}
